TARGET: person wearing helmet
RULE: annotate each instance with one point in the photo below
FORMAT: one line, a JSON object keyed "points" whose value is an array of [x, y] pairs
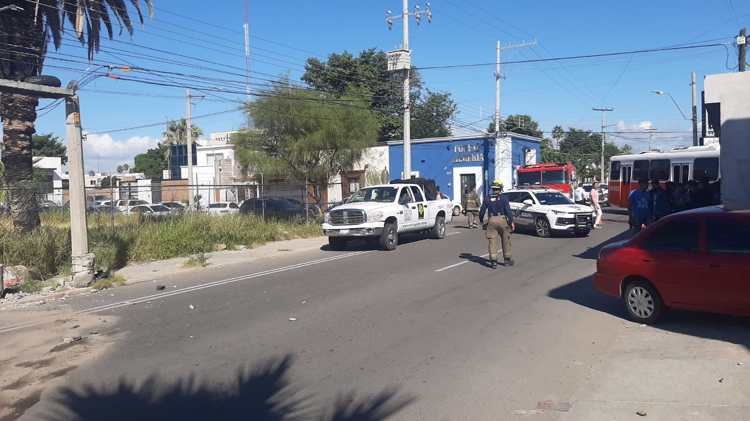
{"points": [[471, 206], [499, 224]]}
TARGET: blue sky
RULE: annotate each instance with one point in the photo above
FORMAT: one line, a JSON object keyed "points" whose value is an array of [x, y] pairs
{"points": [[284, 34]]}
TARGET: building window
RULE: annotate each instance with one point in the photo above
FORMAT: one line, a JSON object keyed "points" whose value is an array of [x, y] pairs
{"points": [[213, 157]]}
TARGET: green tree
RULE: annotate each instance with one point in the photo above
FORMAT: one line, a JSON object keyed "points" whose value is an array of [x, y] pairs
{"points": [[305, 136], [368, 74], [583, 148], [432, 115], [27, 27], [519, 123], [124, 168], [49, 146], [152, 163], [176, 132]]}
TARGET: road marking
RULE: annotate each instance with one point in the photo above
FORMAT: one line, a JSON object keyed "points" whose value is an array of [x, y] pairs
{"points": [[455, 265], [453, 233], [194, 288]]}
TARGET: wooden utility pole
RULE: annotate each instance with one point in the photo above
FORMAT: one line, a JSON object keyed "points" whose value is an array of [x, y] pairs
{"points": [[742, 45]]}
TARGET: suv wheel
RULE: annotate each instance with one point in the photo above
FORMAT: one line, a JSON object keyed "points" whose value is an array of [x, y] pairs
{"points": [[542, 227], [389, 237], [642, 302], [336, 243], [438, 231]]}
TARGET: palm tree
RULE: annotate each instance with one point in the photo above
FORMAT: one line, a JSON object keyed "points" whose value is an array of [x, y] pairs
{"points": [[176, 132], [26, 27]]}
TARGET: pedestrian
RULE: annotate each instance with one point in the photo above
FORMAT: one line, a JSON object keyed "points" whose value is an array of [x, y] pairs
{"points": [[596, 205], [499, 224], [471, 206], [692, 195], [579, 195], [660, 202], [639, 205]]}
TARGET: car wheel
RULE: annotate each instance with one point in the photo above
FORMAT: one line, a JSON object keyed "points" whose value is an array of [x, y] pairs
{"points": [[456, 210], [642, 302], [583, 233], [542, 227], [336, 243], [389, 237], [438, 231]]}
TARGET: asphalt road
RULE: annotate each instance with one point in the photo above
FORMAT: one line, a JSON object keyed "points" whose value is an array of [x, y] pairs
{"points": [[427, 332]]}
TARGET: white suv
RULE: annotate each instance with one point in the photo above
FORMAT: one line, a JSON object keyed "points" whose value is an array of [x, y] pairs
{"points": [[548, 211]]}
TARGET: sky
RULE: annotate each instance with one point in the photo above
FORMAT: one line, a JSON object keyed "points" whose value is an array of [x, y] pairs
{"points": [[190, 36]]}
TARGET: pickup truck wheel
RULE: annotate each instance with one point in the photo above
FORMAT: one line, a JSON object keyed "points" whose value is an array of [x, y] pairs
{"points": [[438, 231], [542, 227], [389, 237], [336, 243]]}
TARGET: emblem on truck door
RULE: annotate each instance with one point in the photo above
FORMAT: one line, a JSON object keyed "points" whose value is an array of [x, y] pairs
{"points": [[420, 211]]}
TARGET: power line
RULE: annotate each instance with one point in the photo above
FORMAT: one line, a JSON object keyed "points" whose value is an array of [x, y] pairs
{"points": [[577, 57], [161, 123]]}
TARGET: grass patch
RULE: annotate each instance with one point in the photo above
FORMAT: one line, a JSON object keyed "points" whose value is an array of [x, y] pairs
{"points": [[125, 238], [109, 282], [197, 261], [32, 286]]}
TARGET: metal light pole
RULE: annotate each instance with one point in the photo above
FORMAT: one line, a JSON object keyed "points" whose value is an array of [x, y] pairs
{"points": [[694, 119], [401, 60], [603, 110], [651, 131]]}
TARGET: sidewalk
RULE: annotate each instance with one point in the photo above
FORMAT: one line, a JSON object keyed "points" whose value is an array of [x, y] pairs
{"points": [[689, 367]]}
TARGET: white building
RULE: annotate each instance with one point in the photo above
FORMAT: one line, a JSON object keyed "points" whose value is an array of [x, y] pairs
{"points": [[54, 190], [217, 172], [371, 169], [728, 119]]}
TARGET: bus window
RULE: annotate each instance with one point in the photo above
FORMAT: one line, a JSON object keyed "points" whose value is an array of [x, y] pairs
{"points": [[659, 170], [614, 171], [640, 170], [706, 168], [626, 175]]}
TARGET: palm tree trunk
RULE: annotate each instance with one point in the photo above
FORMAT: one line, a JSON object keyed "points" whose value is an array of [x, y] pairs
{"points": [[18, 115]]}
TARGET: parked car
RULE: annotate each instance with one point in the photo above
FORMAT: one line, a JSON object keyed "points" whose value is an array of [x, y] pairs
{"points": [[175, 207], [384, 212], [547, 212], [603, 194], [125, 205], [275, 207], [150, 210], [223, 208], [694, 260]]}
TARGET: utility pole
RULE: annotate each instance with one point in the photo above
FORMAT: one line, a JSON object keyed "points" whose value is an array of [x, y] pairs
{"points": [[603, 110], [651, 131], [499, 76], [401, 60], [742, 45], [189, 134], [695, 109], [246, 31]]}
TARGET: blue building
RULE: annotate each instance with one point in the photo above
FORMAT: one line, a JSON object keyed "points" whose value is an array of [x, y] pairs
{"points": [[476, 160]]}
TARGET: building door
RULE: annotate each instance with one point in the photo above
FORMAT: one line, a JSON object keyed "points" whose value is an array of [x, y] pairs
{"points": [[469, 180], [463, 176]]}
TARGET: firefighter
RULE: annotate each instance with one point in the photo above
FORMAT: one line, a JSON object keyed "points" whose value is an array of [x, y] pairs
{"points": [[471, 206], [499, 224]]}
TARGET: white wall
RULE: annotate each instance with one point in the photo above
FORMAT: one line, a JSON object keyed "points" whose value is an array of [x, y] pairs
{"points": [[732, 91], [504, 161]]}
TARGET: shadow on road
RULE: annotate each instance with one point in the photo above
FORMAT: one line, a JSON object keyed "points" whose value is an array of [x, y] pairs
{"points": [[730, 329], [263, 393], [475, 259], [365, 244], [592, 253]]}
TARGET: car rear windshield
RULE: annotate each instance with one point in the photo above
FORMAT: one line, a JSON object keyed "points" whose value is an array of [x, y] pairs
{"points": [[217, 205], [533, 177], [374, 194], [553, 198], [159, 208]]}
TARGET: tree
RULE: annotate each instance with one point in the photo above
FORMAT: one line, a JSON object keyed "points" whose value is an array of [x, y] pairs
{"points": [[124, 168], [109, 181], [26, 29], [432, 115], [176, 132], [583, 148], [306, 136], [368, 74], [91, 173], [152, 163], [49, 146], [520, 124]]}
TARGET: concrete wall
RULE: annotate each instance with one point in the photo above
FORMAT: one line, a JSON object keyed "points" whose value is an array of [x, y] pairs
{"points": [[732, 91]]}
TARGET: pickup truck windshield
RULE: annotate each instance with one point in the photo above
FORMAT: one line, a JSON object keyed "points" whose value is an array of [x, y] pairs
{"points": [[374, 194], [553, 199]]}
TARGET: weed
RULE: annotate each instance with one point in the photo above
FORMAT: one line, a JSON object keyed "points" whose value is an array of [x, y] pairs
{"points": [[110, 282], [198, 260]]}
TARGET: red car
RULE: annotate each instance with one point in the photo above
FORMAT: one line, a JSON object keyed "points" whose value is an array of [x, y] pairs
{"points": [[693, 260]]}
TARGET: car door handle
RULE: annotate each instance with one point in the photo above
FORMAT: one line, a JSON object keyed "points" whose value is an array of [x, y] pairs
{"points": [[413, 207]]}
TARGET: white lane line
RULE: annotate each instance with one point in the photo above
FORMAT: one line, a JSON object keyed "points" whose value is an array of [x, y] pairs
{"points": [[452, 233], [455, 265], [194, 288]]}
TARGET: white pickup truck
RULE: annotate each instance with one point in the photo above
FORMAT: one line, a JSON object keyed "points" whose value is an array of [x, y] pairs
{"points": [[383, 212]]}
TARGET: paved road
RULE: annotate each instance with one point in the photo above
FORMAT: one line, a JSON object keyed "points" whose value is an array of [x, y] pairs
{"points": [[427, 332]]}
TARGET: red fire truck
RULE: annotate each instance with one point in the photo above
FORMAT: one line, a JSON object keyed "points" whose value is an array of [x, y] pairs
{"points": [[554, 175]]}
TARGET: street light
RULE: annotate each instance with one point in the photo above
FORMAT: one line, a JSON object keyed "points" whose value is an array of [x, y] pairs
{"points": [[661, 93], [650, 131]]}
